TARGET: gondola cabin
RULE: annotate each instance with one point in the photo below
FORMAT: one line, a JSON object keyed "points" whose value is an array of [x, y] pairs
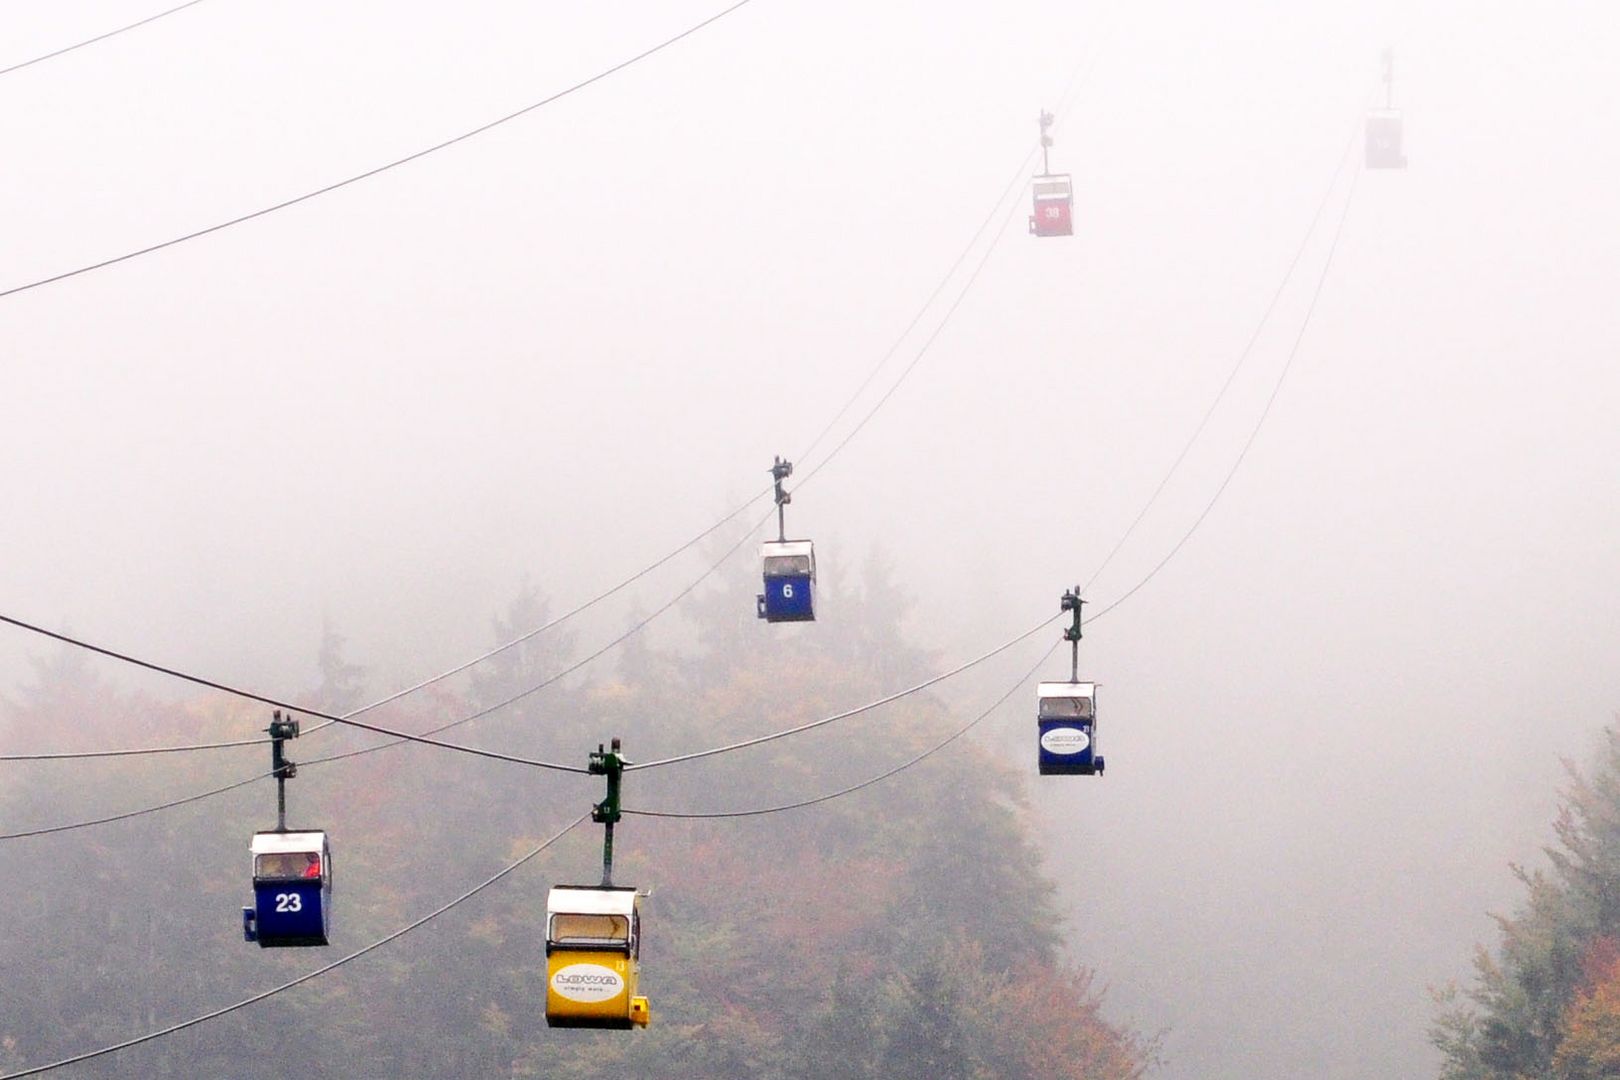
{"points": [[1384, 140], [790, 580], [1054, 206], [292, 889], [593, 953], [1067, 722]]}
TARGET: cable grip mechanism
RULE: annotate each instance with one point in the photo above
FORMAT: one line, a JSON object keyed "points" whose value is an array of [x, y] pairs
{"points": [[280, 730], [781, 469], [608, 763], [1072, 601]]}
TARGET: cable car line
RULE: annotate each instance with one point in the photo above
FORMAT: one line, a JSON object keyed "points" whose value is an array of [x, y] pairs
{"points": [[847, 713], [548, 680], [1254, 433], [1242, 359], [1017, 178], [348, 721], [1082, 73], [125, 816], [327, 719], [80, 755], [99, 37], [396, 742], [1208, 508], [307, 976], [758, 811], [379, 169]]}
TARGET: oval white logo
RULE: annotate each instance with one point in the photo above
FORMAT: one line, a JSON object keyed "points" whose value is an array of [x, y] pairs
{"points": [[587, 983], [1065, 740]]}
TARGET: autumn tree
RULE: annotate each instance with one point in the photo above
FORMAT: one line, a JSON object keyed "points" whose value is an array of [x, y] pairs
{"points": [[1538, 989]]}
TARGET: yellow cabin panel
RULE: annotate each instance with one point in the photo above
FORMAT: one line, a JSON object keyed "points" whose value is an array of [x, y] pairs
{"points": [[593, 988]]}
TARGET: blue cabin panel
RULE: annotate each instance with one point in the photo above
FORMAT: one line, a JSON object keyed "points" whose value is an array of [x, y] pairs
{"points": [[788, 598], [1068, 747], [289, 913]]}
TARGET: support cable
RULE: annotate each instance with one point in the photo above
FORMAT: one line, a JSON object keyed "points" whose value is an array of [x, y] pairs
{"points": [[1242, 359], [548, 680], [304, 978], [45, 831], [329, 720], [930, 752], [346, 720], [99, 37], [377, 170], [1077, 79], [846, 714], [1254, 433]]}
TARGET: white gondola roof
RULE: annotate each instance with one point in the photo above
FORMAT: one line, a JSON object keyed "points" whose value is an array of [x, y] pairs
{"points": [[577, 901], [1066, 690], [786, 547], [280, 843]]}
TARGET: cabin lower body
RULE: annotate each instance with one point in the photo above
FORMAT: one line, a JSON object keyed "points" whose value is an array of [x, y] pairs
{"points": [[1052, 217], [287, 913], [1384, 143], [593, 989], [1068, 748], [788, 598]]}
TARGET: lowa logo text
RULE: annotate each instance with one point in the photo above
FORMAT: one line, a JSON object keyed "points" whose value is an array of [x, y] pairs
{"points": [[1065, 740], [587, 983]]}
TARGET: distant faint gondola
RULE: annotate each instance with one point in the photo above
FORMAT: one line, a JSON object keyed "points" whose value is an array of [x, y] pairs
{"points": [[1384, 132], [1053, 213]]}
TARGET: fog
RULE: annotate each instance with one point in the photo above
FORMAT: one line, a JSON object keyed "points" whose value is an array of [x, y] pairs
{"points": [[553, 352]]}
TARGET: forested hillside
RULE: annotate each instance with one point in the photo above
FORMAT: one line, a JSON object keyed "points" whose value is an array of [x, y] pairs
{"points": [[903, 931], [1546, 1001]]}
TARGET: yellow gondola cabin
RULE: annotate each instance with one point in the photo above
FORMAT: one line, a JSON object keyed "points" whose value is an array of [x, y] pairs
{"points": [[593, 956]]}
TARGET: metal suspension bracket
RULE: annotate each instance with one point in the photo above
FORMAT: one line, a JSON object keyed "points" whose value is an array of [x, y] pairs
{"points": [[1046, 142], [780, 471], [280, 730], [1072, 634], [608, 763]]}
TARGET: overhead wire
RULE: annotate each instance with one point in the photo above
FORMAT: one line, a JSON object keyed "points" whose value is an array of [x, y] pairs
{"points": [[569, 670], [142, 812], [1077, 78], [379, 169], [90, 1055], [1271, 400], [395, 696], [800, 729], [99, 37], [1231, 376], [350, 721], [198, 797], [853, 788]]}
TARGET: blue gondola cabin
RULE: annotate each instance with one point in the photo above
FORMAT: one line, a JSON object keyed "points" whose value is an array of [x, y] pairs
{"points": [[593, 958], [292, 889], [1067, 722], [1384, 140], [790, 580]]}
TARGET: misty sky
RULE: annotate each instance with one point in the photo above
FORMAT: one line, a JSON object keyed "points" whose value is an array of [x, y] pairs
{"points": [[552, 353]]}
